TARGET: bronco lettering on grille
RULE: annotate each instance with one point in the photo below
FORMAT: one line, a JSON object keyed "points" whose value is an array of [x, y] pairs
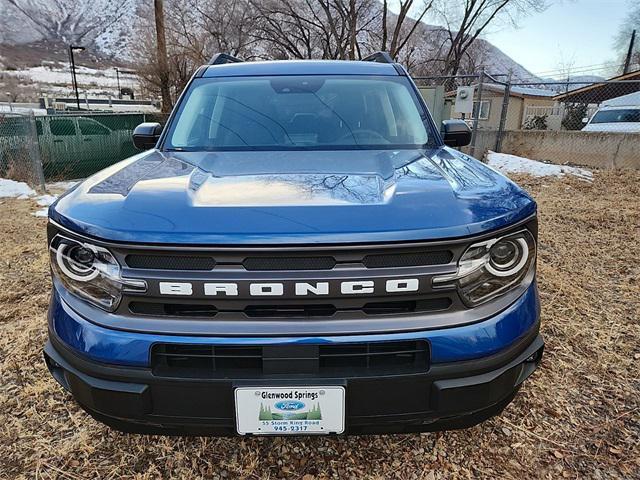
{"points": [[270, 289]]}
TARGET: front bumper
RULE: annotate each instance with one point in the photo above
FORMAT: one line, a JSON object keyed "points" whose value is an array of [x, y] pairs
{"points": [[449, 396], [473, 373]]}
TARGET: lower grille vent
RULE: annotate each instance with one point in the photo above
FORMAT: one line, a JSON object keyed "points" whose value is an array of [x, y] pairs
{"points": [[339, 360], [289, 311], [388, 308], [294, 311], [173, 309]]}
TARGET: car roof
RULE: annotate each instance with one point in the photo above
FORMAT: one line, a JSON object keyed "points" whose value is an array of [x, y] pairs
{"points": [[619, 107], [300, 67]]}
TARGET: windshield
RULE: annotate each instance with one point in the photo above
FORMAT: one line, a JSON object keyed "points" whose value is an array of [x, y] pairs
{"points": [[617, 116], [299, 112]]}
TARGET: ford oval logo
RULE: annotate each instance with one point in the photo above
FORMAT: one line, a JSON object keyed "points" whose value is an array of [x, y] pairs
{"points": [[289, 405]]}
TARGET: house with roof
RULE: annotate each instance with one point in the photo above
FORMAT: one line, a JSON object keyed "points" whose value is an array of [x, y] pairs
{"points": [[601, 92], [523, 103], [584, 101]]}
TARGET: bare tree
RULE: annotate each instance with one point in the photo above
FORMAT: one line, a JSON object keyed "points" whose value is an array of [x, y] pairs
{"points": [[466, 20], [623, 37], [179, 65], [18, 89], [400, 36], [309, 28], [71, 21], [331, 29], [342, 29], [204, 27]]}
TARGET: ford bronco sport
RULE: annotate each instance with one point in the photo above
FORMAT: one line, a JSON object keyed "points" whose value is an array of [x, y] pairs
{"points": [[298, 251]]}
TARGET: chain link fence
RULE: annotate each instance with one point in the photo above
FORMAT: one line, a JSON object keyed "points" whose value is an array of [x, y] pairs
{"points": [[78, 145], [65, 146], [19, 153], [595, 124]]}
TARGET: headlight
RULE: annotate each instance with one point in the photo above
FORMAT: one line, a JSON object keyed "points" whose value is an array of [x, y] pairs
{"points": [[493, 267], [90, 272]]}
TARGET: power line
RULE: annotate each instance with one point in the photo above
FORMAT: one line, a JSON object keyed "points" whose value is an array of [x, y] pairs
{"points": [[586, 68], [580, 67]]}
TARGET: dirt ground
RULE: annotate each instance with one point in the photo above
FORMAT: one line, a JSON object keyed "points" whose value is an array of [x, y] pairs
{"points": [[577, 417]]}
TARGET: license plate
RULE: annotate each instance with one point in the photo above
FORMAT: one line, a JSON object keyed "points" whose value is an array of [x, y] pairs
{"points": [[289, 410]]}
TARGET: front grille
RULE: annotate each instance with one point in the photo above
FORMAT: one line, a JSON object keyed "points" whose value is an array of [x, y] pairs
{"points": [[309, 283], [336, 360], [290, 310]]}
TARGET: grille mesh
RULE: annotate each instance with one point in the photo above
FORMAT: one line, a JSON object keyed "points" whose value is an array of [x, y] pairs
{"points": [[289, 263], [170, 262], [158, 261], [412, 259]]}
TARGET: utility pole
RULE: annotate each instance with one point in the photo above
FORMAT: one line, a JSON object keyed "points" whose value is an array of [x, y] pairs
{"points": [[503, 112], [118, 80], [476, 115], [72, 65], [627, 61], [162, 56]]}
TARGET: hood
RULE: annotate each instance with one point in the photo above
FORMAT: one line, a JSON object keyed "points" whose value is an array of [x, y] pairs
{"points": [[230, 198]]}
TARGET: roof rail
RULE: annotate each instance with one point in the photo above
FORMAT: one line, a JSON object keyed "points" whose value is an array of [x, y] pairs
{"points": [[380, 57], [222, 58]]}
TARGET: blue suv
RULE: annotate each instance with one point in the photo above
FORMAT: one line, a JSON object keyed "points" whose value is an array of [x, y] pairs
{"points": [[298, 251]]}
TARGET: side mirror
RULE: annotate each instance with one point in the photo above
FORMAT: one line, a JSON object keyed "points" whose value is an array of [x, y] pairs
{"points": [[585, 119], [455, 133], [146, 135]]}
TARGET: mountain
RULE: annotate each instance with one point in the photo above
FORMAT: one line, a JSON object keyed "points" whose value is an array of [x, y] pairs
{"points": [[496, 61], [36, 30], [576, 81]]}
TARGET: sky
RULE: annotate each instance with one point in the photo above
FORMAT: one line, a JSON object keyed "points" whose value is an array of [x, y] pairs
{"points": [[570, 32], [576, 33]]}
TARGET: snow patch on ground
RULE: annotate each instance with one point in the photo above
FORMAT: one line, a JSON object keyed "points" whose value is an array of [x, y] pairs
{"points": [[46, 200], [506, 163], [85, 76], [11, 188], [43, 212], [22, 191]]}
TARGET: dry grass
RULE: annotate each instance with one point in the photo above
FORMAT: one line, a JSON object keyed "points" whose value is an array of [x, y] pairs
{"points": [[578, 417]]}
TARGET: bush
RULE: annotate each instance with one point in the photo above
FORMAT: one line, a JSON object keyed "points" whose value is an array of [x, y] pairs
{"points": [[537, 122], [574, 113]]}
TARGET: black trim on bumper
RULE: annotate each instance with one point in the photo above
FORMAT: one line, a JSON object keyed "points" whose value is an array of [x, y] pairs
{"points": [[448, 396]]}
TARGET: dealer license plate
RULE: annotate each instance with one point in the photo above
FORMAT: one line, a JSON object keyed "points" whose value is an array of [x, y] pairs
{"points": [[289, 410]]}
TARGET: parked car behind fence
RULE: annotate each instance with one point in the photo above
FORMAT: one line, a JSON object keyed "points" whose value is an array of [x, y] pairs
{"points": [[67, 146]]}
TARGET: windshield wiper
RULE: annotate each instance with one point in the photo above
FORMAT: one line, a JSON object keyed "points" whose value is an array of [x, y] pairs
{"points": [[175, 149]]}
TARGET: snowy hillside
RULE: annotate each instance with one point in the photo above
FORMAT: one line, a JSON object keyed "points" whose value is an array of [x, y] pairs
{"points": [[96, 24], [104, 27]]}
